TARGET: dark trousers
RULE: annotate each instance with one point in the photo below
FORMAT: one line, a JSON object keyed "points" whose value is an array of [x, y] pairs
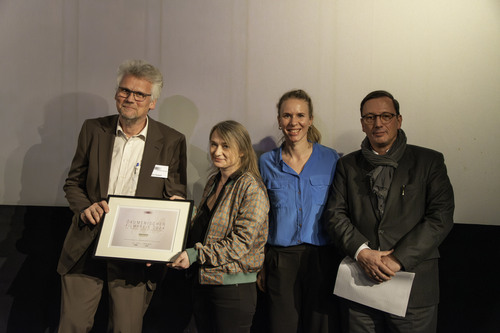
{"points": [[299, 283], [360, 318], [224, 309]]}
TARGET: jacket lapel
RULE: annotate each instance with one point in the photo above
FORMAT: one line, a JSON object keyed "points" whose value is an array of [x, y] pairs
{"points": [[399, 179], [367, 167], [152, 148], [106, 141]]}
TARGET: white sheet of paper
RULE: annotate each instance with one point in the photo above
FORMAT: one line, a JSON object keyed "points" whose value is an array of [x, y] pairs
{"points": [[144, 228], [160, 171], [391, 296]]}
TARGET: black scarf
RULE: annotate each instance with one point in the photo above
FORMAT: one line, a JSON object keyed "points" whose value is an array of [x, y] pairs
{"points": [[381, 176]]}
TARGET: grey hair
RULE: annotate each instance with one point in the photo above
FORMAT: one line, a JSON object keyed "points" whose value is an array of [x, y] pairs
{"points": [[142, 70]]}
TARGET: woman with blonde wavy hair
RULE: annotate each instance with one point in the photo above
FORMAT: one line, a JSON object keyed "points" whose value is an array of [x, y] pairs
{"points": [[225, 247]]}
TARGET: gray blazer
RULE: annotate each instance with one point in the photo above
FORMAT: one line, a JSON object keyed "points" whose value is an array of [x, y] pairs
{"points": [[88, 177], [418, 214]]}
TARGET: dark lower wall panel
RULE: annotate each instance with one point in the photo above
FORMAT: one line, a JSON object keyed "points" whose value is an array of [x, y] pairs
{"points": [[31, 238], [469, 280]]}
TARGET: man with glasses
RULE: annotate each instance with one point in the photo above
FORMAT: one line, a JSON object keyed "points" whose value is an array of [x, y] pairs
{"points": [[125, 154], [390, 207]]}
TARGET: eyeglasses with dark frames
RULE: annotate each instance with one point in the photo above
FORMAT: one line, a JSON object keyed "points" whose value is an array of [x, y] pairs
{"points": [[385, 117], [125, 93]]}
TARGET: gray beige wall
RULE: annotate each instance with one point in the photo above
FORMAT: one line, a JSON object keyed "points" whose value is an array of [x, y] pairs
{"points": [[233, 59]]}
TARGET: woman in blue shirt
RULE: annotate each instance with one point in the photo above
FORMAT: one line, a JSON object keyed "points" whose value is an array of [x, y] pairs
{"points": [[299, 269]]}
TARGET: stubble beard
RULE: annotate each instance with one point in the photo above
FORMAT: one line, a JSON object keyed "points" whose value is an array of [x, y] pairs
{"points": [[130, 119]]}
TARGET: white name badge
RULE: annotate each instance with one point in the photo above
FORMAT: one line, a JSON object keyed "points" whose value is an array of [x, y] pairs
{"points": [[160, 171]]}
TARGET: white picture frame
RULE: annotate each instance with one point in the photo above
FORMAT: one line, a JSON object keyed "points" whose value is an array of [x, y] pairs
{"points": [[144, 229]]}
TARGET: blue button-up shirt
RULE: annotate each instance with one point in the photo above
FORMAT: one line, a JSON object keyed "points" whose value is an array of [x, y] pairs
{"points": [[297, 200]]}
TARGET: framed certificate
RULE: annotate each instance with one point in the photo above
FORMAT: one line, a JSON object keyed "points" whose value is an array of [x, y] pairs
{"points": [[145, 229]]}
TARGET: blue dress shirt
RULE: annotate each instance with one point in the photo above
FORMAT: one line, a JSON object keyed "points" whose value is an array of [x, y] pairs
{"points": [[297, 200]]}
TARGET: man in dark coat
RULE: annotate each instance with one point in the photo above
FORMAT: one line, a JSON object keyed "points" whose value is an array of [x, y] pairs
{"points": [[390, 207]]}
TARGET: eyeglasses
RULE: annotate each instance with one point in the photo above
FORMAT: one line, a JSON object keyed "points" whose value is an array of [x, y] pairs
{"points": [[125, 93], [385, 118]]}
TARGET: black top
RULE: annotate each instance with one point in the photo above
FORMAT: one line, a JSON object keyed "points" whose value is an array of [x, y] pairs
{"points": [[200, 225], [202, 220]]}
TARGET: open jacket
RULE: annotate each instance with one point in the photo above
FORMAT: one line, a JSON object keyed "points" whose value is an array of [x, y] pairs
{"points": [[418, 214], [233, 249], [88, 178]]}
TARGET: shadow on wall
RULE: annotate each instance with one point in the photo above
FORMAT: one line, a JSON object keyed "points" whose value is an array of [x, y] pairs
{"points": [[45, 165], [264, 146], [182, 114], [35, 233]]}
